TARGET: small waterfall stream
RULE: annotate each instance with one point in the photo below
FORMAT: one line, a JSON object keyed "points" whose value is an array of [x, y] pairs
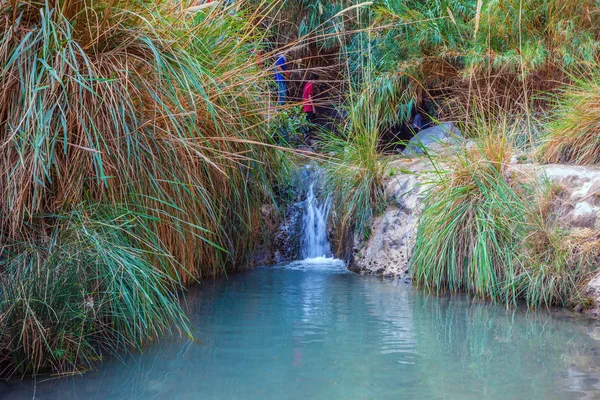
{"points": [[314, 226]]}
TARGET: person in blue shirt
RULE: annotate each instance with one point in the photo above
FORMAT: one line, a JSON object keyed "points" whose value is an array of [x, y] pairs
{"points": [[280, 69]]}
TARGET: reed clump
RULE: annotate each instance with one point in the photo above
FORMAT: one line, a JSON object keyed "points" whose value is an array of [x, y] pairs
{"points": [[134, 156], [354, 172], [467, 235], [572, 133]]}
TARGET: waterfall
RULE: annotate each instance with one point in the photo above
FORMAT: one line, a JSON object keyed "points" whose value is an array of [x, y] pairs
{"points": [[314, 226]]}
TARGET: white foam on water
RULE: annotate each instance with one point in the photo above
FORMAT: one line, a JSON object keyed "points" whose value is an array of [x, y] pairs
{"points": [[317, 264]]}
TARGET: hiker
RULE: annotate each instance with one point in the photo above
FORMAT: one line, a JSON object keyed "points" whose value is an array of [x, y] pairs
{"points": [[280, 70], [308, 103]]}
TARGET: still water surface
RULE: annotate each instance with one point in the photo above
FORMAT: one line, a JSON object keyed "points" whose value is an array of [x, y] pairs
{"points": [[312, 330]]}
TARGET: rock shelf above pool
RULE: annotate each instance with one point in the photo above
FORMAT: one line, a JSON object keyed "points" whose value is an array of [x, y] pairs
{"points": [[389, 249]]}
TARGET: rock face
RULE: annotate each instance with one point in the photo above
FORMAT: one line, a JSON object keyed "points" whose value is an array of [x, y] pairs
{"points": [[580, 194], [283, 229], [578, 206], [281, 241], [389, 249]]}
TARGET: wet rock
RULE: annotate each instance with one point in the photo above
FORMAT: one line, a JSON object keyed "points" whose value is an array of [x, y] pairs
{"points": [[287, 237], [281, 241]]}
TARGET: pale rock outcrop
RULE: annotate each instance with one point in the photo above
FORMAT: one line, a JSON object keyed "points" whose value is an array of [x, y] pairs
{"points": [[579, 200], [389, 249], [578, 206]]}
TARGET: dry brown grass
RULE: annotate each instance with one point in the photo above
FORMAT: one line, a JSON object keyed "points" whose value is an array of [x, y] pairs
{"points": [[573, 134]]}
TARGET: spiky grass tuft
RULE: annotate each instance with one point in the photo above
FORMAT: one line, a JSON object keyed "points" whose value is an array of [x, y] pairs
{"points": [[573, 132], [354, 174], [467, 235]]}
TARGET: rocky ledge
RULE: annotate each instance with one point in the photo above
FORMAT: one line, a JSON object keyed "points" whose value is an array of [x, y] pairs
{"points": [[389, 249]]}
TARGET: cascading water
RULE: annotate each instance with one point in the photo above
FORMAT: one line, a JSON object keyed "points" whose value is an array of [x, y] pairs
{"points": [[314, 226]]}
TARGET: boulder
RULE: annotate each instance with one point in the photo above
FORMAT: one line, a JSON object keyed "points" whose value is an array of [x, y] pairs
{"points": [[433, 139]]}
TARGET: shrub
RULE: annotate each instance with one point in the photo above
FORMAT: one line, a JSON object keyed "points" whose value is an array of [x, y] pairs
{"points": [[290, 126]]}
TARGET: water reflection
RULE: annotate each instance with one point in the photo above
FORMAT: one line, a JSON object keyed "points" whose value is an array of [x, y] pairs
{"points": [[507, 352], [318, 332]]}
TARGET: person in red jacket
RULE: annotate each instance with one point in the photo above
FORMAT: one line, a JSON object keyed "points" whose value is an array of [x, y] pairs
{"points": [[308, 102]]}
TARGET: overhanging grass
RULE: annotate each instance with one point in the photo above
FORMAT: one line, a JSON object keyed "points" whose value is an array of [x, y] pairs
{"points": [[135, 155], [92, 286]]}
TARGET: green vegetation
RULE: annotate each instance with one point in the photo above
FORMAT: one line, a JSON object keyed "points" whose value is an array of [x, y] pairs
{"points": [[90, 286], [354, 174], [483, 231], [133, 161], [502, 52], [508, 36], [139, 143], [469, 231], [492, 234]]}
